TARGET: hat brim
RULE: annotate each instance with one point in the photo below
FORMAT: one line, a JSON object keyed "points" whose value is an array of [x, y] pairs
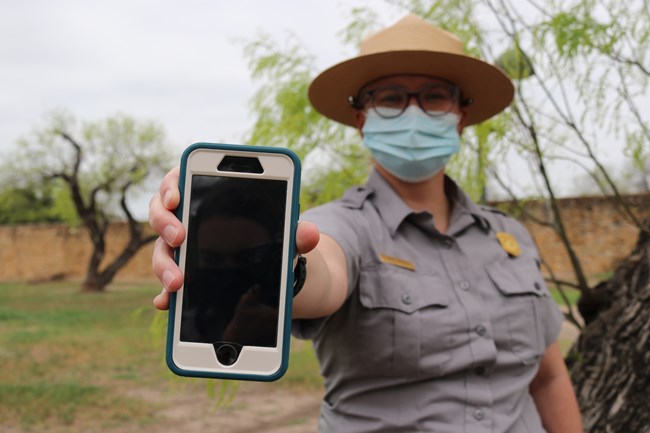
{"points": [[487, 86]]}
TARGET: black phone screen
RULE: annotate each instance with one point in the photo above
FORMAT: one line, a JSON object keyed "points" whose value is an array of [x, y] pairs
{"points": [[233, 265]]}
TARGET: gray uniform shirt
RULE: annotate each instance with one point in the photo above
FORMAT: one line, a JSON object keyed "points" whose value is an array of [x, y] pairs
{"points": [[440, 332]]}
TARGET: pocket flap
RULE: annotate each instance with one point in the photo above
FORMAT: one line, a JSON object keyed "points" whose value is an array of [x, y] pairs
{"points": [[517, 277], [405, 291]]}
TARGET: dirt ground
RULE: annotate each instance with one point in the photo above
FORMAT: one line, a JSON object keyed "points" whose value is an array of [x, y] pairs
{"points": [[257, 408]]}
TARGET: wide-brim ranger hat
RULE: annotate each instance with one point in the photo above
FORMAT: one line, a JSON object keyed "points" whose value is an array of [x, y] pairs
{"points": [[412, 46]]}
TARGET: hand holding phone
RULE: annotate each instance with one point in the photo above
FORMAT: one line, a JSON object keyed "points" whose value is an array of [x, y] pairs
{"points": [[231, 317]]}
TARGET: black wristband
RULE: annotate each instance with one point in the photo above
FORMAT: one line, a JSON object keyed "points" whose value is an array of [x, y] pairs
{"points": [[299, 274]]}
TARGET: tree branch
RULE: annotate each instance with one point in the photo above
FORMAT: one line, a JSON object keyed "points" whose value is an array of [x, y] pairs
{"points": [[520, 206], [633, 107], [78, 152], [559, 222], [567, 118], [559, 285]]}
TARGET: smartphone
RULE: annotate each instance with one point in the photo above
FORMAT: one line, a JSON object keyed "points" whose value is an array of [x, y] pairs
{"points": [[231, 318]]}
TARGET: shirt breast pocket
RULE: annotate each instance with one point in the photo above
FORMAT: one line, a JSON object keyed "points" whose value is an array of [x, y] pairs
{"points": [[402, 324], [523, 295]]}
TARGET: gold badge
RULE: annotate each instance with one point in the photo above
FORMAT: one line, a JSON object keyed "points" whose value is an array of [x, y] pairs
{"points": [[397, 262], [509, 243]]}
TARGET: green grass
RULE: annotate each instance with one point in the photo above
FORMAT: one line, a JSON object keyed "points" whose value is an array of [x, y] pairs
{"points": [[66, 357], [37, 402], [303, 367], [574, 294], [70, 359], [571, 294]]}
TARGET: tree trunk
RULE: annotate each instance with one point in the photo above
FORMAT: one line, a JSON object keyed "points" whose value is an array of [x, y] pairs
{"points": [[96, 280], [610, 362], [95, 283]]}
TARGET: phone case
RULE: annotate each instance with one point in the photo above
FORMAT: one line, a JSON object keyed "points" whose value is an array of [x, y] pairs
{"points": [[285, 328]]}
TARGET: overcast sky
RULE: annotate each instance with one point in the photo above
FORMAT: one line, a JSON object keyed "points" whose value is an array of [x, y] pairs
{"points": [[177, 62], [180, 63]]}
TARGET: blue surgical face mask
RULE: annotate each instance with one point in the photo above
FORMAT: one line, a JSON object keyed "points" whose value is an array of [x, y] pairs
{"points": [[413, 146]]}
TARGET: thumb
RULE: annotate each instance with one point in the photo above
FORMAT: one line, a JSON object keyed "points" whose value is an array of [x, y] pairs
{"points": [[307, 237]]}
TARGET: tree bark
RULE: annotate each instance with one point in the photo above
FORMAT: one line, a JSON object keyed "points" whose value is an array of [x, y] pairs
{"points": [[96, 279], [610, 362]]}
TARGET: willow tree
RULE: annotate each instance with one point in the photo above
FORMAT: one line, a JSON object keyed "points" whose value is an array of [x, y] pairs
{"points": [[581, 69], [333, 157], [100, 165]]}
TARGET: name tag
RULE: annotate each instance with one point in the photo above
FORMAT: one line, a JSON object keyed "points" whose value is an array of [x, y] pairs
{"points": [[397, 262]]}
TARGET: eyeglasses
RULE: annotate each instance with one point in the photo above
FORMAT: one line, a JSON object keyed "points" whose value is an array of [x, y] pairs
{"points": [[391, 101]]}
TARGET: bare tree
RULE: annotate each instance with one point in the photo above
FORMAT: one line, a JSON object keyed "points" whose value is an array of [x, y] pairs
{"points": [[100, 164]]}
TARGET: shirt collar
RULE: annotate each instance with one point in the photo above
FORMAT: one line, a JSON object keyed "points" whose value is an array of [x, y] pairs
{"points": [[389, 204], [393, 210], [464, 212]]}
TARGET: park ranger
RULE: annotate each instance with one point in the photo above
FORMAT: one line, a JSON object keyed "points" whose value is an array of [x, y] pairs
{"points": [[428, 312]]}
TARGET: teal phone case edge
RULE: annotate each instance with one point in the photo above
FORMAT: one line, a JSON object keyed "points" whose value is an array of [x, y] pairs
{"points": [[295, 212]]}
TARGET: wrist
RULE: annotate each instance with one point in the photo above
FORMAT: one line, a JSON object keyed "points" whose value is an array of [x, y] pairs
{"points": [[299, 273]]}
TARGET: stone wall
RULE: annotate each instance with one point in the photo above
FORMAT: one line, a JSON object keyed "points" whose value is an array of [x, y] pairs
{"points": [[601, 237], [41, 252]]}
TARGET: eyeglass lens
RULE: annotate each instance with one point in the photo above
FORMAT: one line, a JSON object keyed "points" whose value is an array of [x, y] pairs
{"points": [[434, 100]]}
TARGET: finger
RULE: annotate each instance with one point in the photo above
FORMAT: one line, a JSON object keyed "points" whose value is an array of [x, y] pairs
{"points": [[161, 301], [169, 192], [164, 267], [307, 237], [165, 223]]}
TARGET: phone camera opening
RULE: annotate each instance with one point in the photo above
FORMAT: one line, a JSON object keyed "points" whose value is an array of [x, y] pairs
{"points": [[240, 164]]}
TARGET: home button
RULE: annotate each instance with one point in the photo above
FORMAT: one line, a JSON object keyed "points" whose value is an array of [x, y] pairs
{"points": [[227, 353]]}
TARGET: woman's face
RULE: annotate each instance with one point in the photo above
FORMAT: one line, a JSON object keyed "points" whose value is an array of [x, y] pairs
{"points": [[412, 83]]}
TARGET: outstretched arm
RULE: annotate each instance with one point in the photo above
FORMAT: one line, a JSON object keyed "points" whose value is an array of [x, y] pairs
{"points": [[325, 288]]}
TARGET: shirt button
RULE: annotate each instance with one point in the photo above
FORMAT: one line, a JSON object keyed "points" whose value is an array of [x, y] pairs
{"points": [[480, 370], [480, 330], [538, 286], [464, 285], [479, 414], [406, 298], [448, 243]]}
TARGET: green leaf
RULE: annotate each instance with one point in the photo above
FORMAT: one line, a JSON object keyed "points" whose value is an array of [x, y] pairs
{"points": [[515, 63]]}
